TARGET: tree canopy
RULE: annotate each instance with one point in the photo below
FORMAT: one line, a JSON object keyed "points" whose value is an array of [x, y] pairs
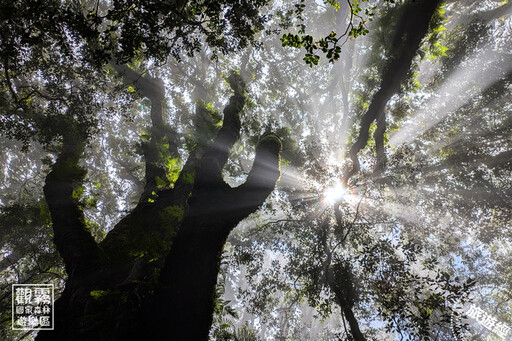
{"points": [[256, 169]]}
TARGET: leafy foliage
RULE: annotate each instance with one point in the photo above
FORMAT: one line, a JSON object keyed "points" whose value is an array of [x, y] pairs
{"points": [[403, 248], [331, 44]]}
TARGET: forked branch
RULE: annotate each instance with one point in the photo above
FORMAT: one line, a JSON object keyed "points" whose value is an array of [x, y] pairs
{"points": [[409, 32], [71, 237]]}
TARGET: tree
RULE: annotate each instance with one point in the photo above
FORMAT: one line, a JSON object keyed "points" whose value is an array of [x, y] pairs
{"points": [[141, 240], [436, 214], [61, 109], [159, 264]]}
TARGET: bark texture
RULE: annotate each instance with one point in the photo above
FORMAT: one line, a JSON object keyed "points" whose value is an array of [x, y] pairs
{"points": [[409, 32], [339, 279], [155, 273], [190, 272]]}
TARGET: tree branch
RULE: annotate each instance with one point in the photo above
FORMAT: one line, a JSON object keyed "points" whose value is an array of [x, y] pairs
{"points": [[73, 241], [160, 135], [261, 180], [217, 155], [189, 275], [409, 32], [378, 135], [190, 272], [339, 279], [498, 160]]}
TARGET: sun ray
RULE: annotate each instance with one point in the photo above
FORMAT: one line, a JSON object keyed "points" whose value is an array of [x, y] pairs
{"points": [[475, 74]]}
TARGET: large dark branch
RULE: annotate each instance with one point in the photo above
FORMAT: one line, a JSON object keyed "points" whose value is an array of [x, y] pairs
{"points": [[379, 144], [192, 266], [73, 241], [190, 271], [217, 155], [354, 325], [148, 87], [409, 32], [160, 134], [261, 181], [339, 280], [149, 210], [199, 171]]}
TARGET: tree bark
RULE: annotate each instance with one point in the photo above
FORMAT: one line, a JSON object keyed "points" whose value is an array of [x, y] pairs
{"points": [[339, 280], [409, 32], [74, 243], [160, 134], [188, 278], [141, 280]]}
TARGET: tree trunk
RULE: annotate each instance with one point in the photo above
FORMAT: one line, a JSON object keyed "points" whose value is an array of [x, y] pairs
{"points": [[409, 32], [140, 281]]}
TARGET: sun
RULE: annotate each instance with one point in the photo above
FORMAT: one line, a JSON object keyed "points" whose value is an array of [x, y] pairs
{"points": [[334, 193]]}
